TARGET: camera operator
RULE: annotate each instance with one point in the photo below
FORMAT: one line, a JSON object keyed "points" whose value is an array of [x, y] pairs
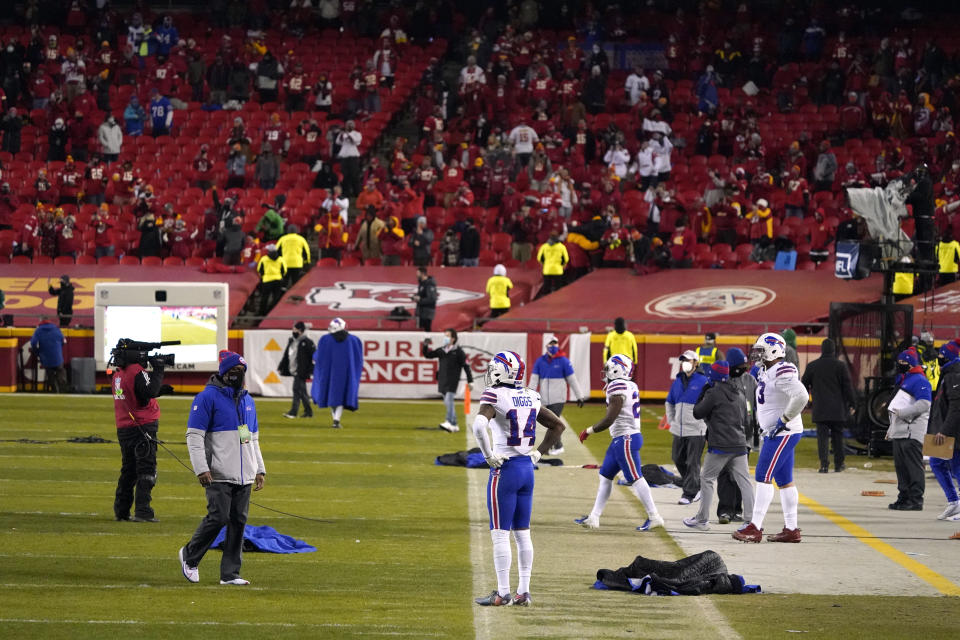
{"points": [[135, 394]]}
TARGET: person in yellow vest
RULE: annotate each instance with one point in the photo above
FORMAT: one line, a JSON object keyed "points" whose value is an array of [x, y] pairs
{"points": [[928, 358], [554, 258], [620, 341], [272, 270], [903, 281], [295, 251], [498, 288], [709, 353], [948, 253]]}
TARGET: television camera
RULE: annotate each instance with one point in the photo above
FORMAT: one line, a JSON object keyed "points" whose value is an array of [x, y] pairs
{"points": [[130, 351]]}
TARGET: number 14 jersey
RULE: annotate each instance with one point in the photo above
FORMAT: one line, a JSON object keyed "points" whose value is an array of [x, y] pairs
{"points": [[515, 425]]}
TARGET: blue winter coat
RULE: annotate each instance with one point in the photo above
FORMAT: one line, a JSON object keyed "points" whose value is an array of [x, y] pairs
{"points": [[337, 367], [47, 341]]}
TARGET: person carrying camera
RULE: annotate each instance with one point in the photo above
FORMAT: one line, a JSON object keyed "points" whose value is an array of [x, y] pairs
{"points": [[135, 394]]}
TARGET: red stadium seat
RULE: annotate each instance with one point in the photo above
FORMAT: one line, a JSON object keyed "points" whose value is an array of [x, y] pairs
{"points": [[107, 260], [20, 260], [327, 262], [64, 260], [172, 261], [42, 260], [86, 259], [130, 260], [194, 261], [150, 261]]}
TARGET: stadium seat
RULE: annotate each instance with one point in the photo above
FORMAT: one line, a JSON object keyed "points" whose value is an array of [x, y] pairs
{"points": [[350, 261], [20, 260], [43, 260], [86, 259], [107, 260], [151, 261], [130, 260], [194, 261], [327, 262], [172, 261], [64, 260]]}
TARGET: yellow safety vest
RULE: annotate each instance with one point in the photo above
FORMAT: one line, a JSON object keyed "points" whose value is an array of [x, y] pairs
{"points": [[947, 253], [498, 287], [293, 247], [271, 270], [707, 355], [553, 257], [903, 284], [625, 343]]}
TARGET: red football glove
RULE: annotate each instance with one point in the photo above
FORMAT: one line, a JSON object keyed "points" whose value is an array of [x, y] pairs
{"points": [[584, 435]]}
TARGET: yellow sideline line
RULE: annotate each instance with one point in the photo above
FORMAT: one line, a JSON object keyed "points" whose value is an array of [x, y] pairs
{"points": [[925, 573]]}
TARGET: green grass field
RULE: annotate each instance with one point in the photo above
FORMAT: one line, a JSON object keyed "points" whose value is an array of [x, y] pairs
{"points": [[394, 542], [188, 331]]}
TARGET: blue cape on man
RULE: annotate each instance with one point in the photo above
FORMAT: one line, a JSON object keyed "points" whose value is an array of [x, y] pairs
{"points": [[336, 372]]}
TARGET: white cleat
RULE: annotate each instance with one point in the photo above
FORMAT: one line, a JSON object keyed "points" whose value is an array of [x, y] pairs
{"points": [[555, 451], [953, 509], [192, 574], [651, 523], [449, 428], [588, 522]]}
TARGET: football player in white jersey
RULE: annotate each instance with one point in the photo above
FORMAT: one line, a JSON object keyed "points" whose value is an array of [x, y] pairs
{"points": [[509, 413], [623, 454], [780, 399]]}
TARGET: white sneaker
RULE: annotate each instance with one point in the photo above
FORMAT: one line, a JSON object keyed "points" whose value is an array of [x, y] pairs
{"points": [[236, 581], [651, 523], [555, 451], [588, 522], [449, 428], [953, 509], [192, 574], [696, 498], [693, 523]]}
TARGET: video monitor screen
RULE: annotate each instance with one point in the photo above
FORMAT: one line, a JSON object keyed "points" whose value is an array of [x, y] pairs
{"points": [[194, 327]]}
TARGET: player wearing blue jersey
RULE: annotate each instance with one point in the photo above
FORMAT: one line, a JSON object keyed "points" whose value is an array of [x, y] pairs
{"points": [[780, 399], [623, 454], [506, 429]]}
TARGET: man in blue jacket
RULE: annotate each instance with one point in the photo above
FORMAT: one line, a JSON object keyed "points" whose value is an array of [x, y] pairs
{"points": [[224, 445], [689, 433], [47, 342], [552, 374]]}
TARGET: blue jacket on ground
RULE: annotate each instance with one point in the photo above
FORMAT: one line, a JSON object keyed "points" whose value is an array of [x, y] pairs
{"points": [[683, 395], [213, 434], [47, 341], [337, 367]]}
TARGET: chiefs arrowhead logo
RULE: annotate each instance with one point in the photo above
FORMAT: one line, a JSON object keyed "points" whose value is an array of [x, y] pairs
{"points": [[379, 296]]}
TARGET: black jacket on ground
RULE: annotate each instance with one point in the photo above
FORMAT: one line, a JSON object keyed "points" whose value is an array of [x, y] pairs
{"points": [[305, 349], [724, 408], [427, 304], [450, 365], [828, 380], [945, 411]]}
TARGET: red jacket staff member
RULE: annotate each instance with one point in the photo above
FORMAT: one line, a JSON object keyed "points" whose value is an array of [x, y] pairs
{"points": [[137, 414]]}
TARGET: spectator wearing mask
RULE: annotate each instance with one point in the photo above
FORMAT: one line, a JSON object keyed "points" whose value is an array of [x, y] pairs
{"points": [[828, 381], [12, 125], [236, 167], [730, 499], [110, 137], [57, 140], [232, 239], [688, 431], [297, 362], [825, 170], [150, 236], [553, 378], [421, 241], [723, 407], [909, 415], [452, 360], [267, 169]]}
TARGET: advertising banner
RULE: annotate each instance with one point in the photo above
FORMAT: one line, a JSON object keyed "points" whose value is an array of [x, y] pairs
{"points": [[393, 364]]}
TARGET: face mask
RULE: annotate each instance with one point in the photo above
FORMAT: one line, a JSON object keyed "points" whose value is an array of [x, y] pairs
{"points": [[295, 335], [903, 367], [738, 371], [687, 367], [446, 340], [234, 380], [553, 349], [942, 362]]}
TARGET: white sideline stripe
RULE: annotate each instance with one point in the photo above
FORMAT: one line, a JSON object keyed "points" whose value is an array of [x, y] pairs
{"points": [[380, 630], [483, 575]]}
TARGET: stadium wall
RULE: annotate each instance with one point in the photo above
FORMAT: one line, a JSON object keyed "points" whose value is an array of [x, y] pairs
{"points": [[394, 367]]}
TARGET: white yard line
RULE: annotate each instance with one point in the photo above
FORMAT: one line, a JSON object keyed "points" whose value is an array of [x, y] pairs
{"points": [[375, 630], [480, 558]]}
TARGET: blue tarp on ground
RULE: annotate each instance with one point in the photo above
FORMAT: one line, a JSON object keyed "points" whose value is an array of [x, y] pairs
{"points": [[266, 539]]}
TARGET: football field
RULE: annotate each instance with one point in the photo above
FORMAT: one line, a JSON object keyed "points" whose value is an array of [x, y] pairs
{"points": [[403, 546], [188, 330]]}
